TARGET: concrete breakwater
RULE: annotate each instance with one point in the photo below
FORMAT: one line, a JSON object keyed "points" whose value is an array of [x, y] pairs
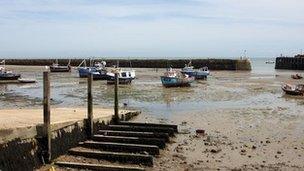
{"points": [[213, 64], [293, 63]]}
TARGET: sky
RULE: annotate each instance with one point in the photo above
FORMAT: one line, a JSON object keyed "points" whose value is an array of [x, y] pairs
{"points": [[150, 28]]}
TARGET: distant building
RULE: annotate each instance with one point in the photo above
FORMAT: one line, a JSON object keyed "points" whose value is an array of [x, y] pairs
{"points": [[299, 56]]}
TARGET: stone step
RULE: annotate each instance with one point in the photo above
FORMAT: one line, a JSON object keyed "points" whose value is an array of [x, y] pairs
{"points": [[174, 127], [164, 136], [133, 140], [170, 131], [143, 159], [99, 167], [121, 147]]}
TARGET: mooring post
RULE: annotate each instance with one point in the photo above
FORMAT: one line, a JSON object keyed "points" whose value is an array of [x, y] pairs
{"points": [[46, 116], [116, 115], [90, 107]]}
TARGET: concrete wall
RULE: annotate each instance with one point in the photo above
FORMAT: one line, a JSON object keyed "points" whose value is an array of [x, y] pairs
{"points": [[213, 64], [21, 148], [293, 63]]}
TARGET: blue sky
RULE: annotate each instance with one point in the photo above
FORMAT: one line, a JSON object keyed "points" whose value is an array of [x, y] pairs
{"points": [[183, 28]]}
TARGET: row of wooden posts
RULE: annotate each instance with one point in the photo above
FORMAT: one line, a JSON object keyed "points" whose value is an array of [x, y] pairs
{"points": [[89, 125]]}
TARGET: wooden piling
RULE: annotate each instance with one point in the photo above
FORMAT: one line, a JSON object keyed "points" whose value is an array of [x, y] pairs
{"points": [[46, 117], [116, 112], [90, 107]]}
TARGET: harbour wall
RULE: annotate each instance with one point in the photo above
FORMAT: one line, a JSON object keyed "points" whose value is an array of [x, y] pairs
{"points": [[21, 148], [292, 63], [213, 64]]}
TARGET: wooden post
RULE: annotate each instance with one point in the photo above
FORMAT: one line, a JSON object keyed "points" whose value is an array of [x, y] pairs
{"points": [[90, 107], [116, 115], [47, 116]]}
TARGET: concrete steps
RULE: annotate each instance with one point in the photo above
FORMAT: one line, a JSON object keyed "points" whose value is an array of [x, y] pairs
{"points": [[121, 147], [126, 143], [132, 140]]}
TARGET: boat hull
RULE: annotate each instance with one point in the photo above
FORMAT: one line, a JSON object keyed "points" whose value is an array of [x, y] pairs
{"points": [[294, 92], [10, 77], [111, 80], [97, 74], [60, 69], [176, 82], [196, 74]]}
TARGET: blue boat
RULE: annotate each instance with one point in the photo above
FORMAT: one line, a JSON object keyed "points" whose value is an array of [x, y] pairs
{"points": [[201, 73], [174, 79], [98, 71], [7, 74]]}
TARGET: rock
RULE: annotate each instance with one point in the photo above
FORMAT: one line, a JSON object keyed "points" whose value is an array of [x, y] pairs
{"points": [[279, 152], [267, 141], [215, 150], [254, 147]]}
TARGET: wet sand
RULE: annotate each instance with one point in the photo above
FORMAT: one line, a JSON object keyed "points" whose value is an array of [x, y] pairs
{"points": [[249, 122], [253, 126]]}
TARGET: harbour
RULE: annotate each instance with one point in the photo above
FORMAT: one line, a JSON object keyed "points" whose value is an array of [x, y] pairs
{"points": [[243, 101]]}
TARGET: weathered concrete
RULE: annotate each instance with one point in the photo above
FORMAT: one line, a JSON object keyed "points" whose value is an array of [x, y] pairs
{"points": [[174, 127], [98, 167], [292, 63], [133, 140], [170, 131], [121, 147], [115, 156], [213, 64], [161, 135], [21, 148]]}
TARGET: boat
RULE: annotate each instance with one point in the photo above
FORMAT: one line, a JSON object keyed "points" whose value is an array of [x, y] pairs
{"points": [[7, 74], [269, 62], [173, 78], [296, 76], [201, 73], [293, 89], [55, 67], [26, 80], [124, 76], [98, 70]]}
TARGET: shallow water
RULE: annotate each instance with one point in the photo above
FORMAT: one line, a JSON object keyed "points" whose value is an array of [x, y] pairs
{"points": [[223, 89]]}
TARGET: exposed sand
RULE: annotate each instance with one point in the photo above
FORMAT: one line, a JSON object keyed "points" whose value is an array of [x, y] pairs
{"points": [[12, 118]]}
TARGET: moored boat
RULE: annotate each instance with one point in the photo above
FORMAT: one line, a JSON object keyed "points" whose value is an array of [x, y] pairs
{"points": [[7, 74], [269, 62], [26, 80], [296, 76], [98, 70], [173, 78], [55, 67], [201, 73], [124, 76], [293, 89]]}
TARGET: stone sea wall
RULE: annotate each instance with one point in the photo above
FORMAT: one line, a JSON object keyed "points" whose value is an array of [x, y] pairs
{"points": [[213, 64]]}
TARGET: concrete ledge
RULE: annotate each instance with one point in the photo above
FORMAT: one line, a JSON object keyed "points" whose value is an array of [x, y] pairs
{"points": [[115, 156], [98, 167], [133, 140], [121, 147]]}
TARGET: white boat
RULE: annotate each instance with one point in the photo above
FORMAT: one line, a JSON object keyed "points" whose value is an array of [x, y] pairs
{"points": [[27, 80], [124, 76], [269, 62]]}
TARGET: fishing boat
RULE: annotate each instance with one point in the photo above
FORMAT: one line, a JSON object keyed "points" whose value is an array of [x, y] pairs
{"points": [[55, 67], [98, 70], [26, 80], [7, 74], [296, 76], [293, 89], [124, 76], [173, 78], [269, 62], [201, 73]]}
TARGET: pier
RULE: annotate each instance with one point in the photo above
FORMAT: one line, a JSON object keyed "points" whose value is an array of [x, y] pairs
{"points": [[213, 64], [292, 63], [54, 141]]}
